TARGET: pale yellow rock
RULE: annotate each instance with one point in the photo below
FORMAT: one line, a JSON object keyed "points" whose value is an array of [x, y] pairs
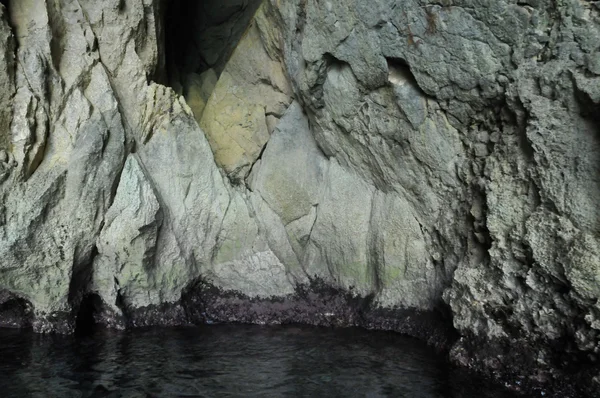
{"points": [[198, 89], [236, 129], [250, 96], [196, 102]]}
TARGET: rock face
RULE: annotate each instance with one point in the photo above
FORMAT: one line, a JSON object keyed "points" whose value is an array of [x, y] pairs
{"points": [[246, 103], [386, 164]]}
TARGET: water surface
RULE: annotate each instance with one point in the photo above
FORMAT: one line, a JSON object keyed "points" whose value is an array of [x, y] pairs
{"points": [[230, 361]]}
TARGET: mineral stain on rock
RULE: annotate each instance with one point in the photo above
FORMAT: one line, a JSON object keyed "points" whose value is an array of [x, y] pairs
{"points": [[425, 167]]}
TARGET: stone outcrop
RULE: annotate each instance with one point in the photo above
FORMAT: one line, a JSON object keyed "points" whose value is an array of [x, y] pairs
{"points": [[426, 167]]}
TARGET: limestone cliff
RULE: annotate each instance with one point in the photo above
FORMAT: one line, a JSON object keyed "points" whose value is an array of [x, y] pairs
{"points": [[429, 167]]}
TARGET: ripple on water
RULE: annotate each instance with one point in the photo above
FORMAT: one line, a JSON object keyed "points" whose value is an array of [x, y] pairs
{"points": [[230, 361]]}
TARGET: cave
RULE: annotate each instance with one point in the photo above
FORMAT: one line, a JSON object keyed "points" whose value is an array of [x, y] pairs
{"points": [[86, 319], [15, 312], [200, 36], [428, 172]]}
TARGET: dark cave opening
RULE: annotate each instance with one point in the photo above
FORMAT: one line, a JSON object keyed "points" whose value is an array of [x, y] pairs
{"points": [[86, 318], [15, 312], [399, 70], [5, 3], [200, 37]]}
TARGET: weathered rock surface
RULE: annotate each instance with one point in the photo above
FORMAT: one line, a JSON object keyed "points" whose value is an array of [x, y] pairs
{"points": [[385, 164], [251, 95]]}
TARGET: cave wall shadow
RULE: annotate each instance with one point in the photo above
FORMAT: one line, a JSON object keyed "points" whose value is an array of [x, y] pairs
{"points": [[202, 35]]}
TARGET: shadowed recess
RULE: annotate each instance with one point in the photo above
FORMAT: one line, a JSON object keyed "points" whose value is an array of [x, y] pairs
{"points": [[90, 307], [15, 312], [201, 35]]}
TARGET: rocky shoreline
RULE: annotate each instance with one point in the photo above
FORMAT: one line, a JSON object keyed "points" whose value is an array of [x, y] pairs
{"points": [[515, 364]]}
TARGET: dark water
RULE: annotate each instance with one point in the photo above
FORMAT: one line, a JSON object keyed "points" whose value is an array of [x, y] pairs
{"points": [[229, 361]]}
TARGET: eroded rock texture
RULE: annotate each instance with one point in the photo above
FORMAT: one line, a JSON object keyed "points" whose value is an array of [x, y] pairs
{"points": [[377, 163]]}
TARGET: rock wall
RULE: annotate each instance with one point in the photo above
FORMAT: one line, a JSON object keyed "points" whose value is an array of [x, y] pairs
{"points": [[415, 166]]}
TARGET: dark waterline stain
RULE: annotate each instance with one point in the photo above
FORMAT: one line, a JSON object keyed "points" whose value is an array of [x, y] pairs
{"points": [[230, 361]]}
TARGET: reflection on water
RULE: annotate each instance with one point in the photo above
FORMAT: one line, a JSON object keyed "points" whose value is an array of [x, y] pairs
{"points": [[229, 361]]}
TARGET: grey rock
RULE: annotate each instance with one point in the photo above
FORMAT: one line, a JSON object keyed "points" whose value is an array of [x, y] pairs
{"points": [[127, 243], [7, 76]]}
